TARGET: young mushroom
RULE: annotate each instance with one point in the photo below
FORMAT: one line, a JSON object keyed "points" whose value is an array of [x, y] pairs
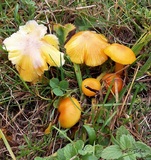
{"points": [[87, 47], [121, 54], [70, 112], [113, 81], [91, 86]]}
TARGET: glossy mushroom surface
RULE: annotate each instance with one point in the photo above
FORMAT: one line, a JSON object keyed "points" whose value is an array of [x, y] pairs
{"points": [[87, 47]]}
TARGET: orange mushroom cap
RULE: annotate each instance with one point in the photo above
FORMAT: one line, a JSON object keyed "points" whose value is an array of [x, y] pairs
{"points": [[120, 53], [70, 112], [87, 47]]}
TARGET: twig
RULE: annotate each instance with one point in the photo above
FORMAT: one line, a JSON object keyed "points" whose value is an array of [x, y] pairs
{"points": [[128, 92], [68, 9]]}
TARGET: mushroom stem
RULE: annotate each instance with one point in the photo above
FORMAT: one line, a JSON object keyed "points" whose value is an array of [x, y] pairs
{"points": [[78, 75], [119, 68]]}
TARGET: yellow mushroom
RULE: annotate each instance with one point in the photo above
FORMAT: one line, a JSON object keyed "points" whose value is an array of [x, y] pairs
{"points": [[121, 54], [87, 47], [70, 112], [31, 49]]}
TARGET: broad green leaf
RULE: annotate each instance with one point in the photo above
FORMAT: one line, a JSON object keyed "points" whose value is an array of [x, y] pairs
{"points": [[88, 149], [89, 157], [142, 150], [54, 82], [126, 142], [129, 156], [69, 151], [91, 133], [57, 91], [120, 131], [148, 157], [63, 32], [64, 85], [60, 154], [111, 152], [98, 150], [79, 144]]}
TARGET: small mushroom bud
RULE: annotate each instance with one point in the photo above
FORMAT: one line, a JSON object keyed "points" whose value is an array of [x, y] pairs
{"points": [[90, 86], [113, 81], [70, 112]]}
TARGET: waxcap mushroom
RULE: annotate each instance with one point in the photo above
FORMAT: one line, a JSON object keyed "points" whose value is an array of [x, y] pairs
{"points": [[31, 49], [120, 54], [87, 47]]}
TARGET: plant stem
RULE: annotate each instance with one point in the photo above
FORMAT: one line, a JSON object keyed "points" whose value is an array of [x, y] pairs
{"points": [[78, 75], [60, 131], [119, 68]]}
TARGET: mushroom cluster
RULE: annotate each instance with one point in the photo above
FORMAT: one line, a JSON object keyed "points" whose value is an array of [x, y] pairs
{"points": [[93, 49], [32, 51]]}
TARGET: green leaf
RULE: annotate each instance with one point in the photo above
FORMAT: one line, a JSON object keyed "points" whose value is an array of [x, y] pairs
{"points": [[129, 156], [120, 131], [126, 142], [64, 85], [69, 151], [91, 133], [111, 152], [79, 144], [148, 157], [45, 158], [54, 82], [57, 92], [56, 103], [98, 150], [63, 32], [89, 157], [85, 22], [142, 150], [88, 149], [114, 140], [60, 154]]}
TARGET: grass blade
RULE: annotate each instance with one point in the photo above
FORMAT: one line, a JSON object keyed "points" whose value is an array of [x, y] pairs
{"points": [[142, 41], [145, 67], [7, 145]]}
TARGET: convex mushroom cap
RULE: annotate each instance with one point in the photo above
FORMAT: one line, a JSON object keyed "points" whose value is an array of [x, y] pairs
{"points": [[87, 47], [120, 54], [70, 112]]}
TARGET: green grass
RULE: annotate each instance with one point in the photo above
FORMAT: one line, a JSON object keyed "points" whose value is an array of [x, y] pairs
{"points": [[26, 110]]}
